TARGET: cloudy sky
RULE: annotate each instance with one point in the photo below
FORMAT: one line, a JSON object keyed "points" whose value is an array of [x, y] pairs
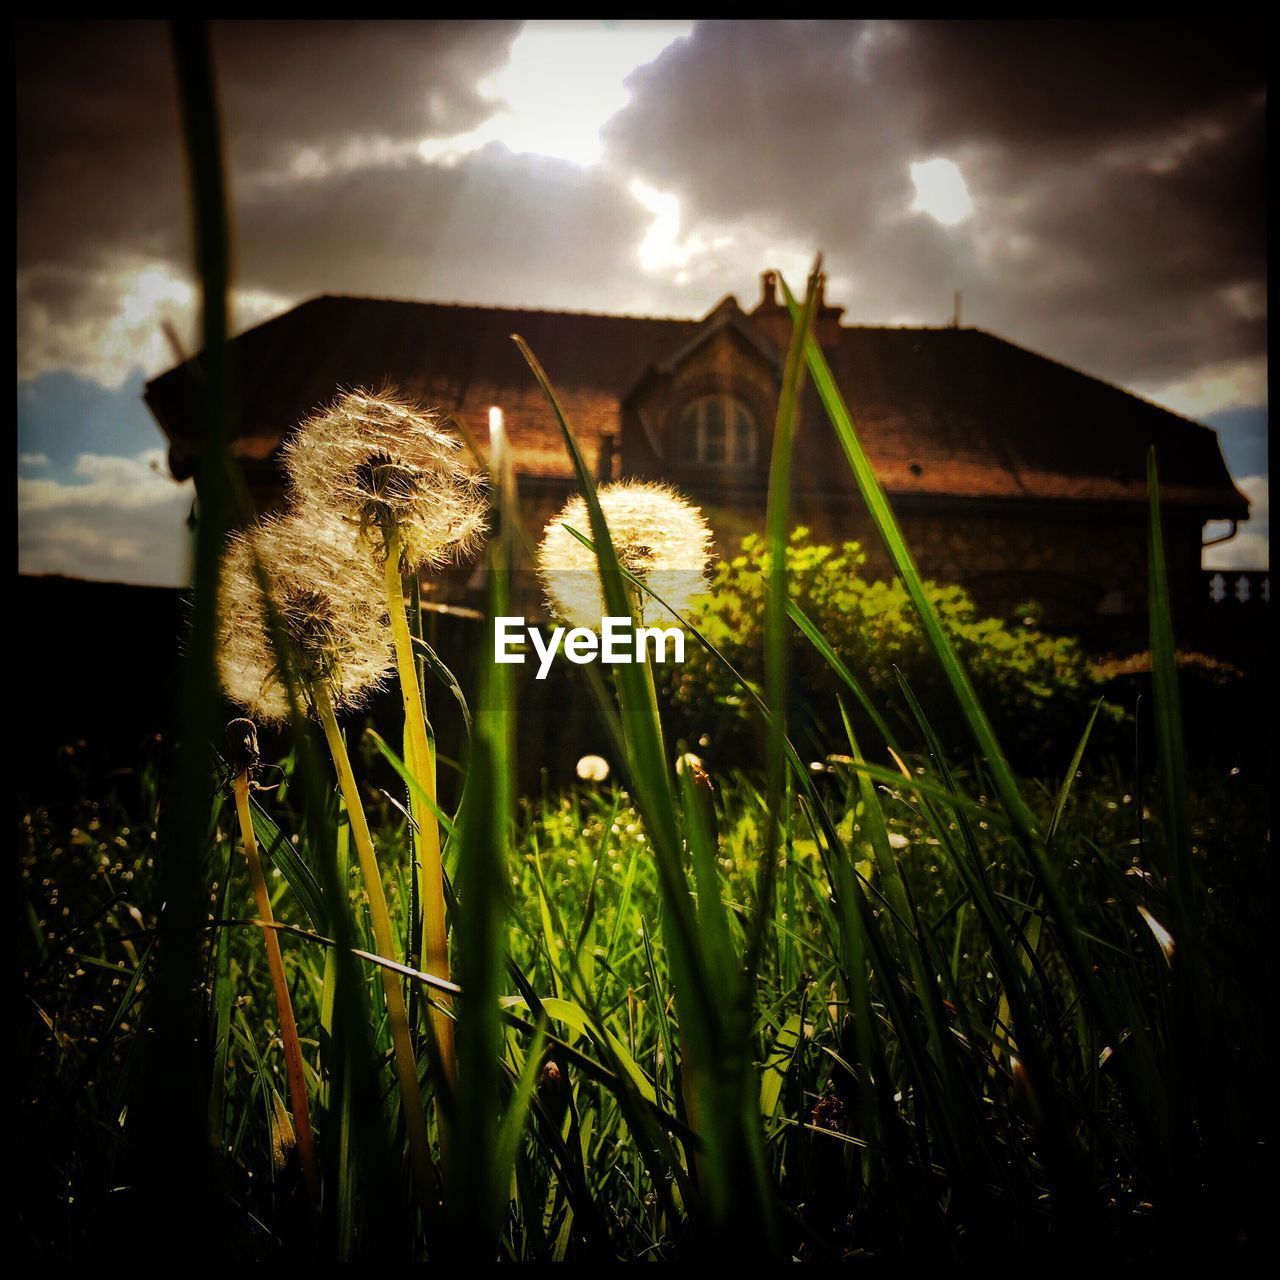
{"points": [[1096, 192]]}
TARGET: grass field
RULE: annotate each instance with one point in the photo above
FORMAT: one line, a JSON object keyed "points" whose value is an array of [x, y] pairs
{"points": [[585, 929], [877, 1003]]}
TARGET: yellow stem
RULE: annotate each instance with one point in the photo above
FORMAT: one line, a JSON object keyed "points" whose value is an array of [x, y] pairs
{"points": [[398, 1017], [421, 766], [284, 1005]]}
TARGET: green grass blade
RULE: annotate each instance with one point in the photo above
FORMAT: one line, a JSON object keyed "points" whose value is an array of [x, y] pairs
{"points": [[1167, 711], [740, 1209], [1023, 820], [398, 764], [221, 997], [777, 533], [887, 527], [477, 1204], [834, 661], [1068, 781]]}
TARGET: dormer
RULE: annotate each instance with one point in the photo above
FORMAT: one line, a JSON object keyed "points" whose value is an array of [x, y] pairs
{"points": [[703, 414]]}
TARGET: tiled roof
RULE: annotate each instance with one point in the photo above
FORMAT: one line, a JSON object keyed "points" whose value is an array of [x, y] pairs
{"points": [[961, 412], [943, 413]]}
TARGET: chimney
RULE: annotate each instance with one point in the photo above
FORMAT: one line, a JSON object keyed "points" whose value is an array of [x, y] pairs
{"points": [[826, 318], [768, 291], [604, 460]]}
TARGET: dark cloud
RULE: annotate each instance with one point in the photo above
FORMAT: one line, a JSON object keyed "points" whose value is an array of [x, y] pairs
{"points": [[1072, 84], [1117, 172], [99, 160], [491, 224], [777, 115]]}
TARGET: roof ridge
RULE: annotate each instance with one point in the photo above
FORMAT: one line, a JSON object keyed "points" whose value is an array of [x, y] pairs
{"points": [[487, 306], [456, 305]]}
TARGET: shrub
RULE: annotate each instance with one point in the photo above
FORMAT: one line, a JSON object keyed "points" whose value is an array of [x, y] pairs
{"points": [[1038, 688]]}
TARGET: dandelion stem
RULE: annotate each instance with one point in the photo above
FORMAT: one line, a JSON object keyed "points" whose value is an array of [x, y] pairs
{"points": [[406, 1065], [421, 765], [284, 1005]]}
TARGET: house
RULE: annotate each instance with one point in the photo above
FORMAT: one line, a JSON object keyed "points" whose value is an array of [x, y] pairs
{"points": [[1012, 474]]}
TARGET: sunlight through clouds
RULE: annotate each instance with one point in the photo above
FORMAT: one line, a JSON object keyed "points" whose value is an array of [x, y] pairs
{"points": [[663, 250], [941, 192], [1212, 388], [564, 79], [119, 326]]}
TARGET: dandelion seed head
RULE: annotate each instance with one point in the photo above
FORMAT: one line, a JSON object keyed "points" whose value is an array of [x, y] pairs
{"points": [[386, 467], [328, 600], [593, 768], [660, 538]]}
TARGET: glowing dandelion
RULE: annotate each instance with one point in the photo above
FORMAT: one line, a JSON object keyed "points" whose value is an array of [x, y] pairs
{"points": [[392, 474], [661, 540], [388, 468], [593, 769], [328, 600]]}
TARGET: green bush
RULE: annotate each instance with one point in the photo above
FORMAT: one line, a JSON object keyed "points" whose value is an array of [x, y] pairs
{"points": [[1037, 688]]}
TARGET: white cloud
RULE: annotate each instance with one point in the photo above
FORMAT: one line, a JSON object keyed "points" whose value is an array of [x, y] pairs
{"points": [[119, 321], [33, 461], [1251, 547], [664, 250], [124, 520], [1228, 385], [116, 327], [561, 83]]}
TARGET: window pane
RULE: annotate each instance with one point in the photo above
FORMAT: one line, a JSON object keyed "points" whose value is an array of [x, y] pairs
{"points": [[744, 431], [689, 440], [715, 430], [713, 439]]}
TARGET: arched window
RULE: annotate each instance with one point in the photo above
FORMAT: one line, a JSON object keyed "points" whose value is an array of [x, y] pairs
{"points": [[717, 431]]}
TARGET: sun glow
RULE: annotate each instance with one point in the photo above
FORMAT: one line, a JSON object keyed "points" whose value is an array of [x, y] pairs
{"points": [[561, 83], [941, 192]]}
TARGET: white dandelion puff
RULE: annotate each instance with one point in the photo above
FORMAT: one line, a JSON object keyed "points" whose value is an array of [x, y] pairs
{"points": [[593, 769], [389, 468], [660, 538], [328, 600]]}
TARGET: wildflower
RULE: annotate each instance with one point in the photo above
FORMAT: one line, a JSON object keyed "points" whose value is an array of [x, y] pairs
{"points": [[660, 539], [687, 760], [691, 764], [328, 600], [593, 769], [388, 468]]}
